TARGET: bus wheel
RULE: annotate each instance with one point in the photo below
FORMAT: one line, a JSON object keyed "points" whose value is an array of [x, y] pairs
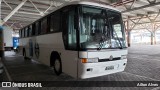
{"points": [[57, 65]]}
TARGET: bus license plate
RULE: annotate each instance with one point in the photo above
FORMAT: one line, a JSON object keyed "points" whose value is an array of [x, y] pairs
{"points": [[109, 68]]}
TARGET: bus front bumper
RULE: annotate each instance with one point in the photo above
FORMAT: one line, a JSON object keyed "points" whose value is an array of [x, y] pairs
{"points": [[88, 70]]}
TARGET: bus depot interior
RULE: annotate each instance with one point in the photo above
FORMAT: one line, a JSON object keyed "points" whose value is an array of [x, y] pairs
{"points": [[98, 43]]}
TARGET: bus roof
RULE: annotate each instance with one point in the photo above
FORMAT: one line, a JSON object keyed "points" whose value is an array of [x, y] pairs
{"points": [[92, 3]]}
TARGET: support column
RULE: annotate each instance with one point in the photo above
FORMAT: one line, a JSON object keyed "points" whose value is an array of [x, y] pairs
{"points": [[155, 38], [152, 38], [128, 34], [129, 38], [153, 34], [1, 35]]}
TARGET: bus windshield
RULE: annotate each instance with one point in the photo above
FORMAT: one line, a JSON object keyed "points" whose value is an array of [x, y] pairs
{"points": [[101, 29]]}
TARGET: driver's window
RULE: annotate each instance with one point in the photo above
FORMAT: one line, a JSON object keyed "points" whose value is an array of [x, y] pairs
{"points": [[69, 29], [92, 24], [117, 29], [72, 39]]}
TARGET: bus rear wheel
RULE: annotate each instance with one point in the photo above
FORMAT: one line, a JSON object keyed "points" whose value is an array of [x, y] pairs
{"points": [[57, 65]]}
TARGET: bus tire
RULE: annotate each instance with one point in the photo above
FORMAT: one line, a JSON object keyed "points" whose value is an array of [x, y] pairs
{"points": [[24, 53], [56, 63]]}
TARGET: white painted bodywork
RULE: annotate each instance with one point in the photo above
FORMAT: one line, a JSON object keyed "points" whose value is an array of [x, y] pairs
{"points": [[98, 69], [71, 62], [7, 35], [47, 44]]}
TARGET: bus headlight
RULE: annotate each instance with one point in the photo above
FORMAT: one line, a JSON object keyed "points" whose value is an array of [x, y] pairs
{"points": [[89, 60], [124, 57]]}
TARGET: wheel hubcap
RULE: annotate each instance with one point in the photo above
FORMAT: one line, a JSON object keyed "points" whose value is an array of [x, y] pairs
{"points": [[57, 65]]}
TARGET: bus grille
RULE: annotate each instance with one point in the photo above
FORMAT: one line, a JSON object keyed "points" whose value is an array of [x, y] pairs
{"points": [[105, 60]]}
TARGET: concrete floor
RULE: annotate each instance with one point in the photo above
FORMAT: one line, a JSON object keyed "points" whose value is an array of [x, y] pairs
{"points": [[143, 65]]}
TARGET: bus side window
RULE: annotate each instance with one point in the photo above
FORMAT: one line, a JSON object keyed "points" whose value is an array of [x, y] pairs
{"points": [[25, 32], [37, 28], [69, 31], [44, 26], [20, 33], [48, 23], [30, 30], [55, 22], [33, 29]]}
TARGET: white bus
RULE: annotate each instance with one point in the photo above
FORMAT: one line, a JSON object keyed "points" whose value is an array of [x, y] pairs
{"points": [[82, 39]]}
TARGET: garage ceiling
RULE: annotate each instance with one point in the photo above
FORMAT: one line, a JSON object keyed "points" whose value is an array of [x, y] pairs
{"points": [[139, 12]]}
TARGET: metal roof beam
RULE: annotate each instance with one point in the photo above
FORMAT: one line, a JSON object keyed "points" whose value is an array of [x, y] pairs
{"points": [[14, 11], [23, 19], [26, 6], [145, 6], [155, 8], [151, 1], [51, 4], [23, 13], [40, 12], [129, 6], [11, 22], [23, 16], [148, 22], [29, 13], [25, 10], [7, 4]]}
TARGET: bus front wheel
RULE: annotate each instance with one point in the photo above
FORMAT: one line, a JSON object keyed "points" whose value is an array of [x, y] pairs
{"points": [[57, 65]]}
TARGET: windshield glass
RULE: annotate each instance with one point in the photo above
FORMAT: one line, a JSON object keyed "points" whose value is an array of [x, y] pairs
{"points": [[101, 29]]}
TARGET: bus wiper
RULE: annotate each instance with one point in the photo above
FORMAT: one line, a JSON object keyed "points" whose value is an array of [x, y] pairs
{"points": [[102, 40], [101, 43], [121, 47]]}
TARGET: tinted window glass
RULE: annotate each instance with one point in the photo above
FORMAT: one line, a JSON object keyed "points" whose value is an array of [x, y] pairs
{"points": [[118, 37], [26, 32], [69, 31], [44, 26], [22, 32], [37, 28], [30, 30], [55, 22], [33, 29], [100, 29], [93, 23]]}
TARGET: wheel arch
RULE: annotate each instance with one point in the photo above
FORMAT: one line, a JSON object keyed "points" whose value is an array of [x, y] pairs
{"points": [[54, 54]]}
